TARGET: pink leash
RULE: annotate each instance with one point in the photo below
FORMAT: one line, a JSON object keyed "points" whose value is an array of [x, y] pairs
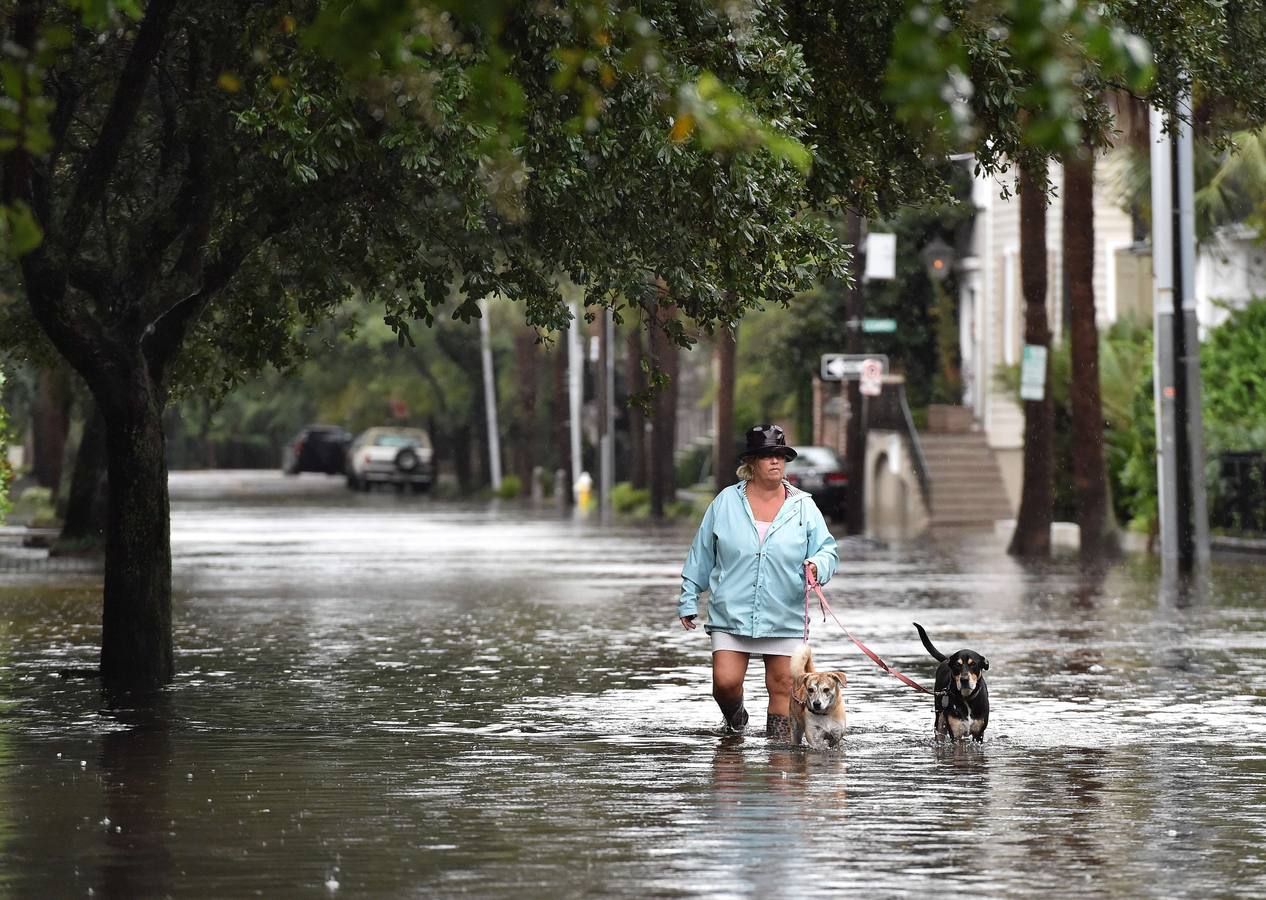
{"points": [[811, 584]]}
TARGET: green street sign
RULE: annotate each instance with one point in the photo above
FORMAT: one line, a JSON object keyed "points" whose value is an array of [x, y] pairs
{"points": [[879, 326]]}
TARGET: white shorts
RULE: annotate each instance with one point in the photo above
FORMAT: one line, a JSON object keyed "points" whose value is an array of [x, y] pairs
{"points": [[766, 646]]}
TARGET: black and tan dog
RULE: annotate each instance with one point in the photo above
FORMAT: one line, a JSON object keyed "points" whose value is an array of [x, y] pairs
{"points": [[961, 696]]}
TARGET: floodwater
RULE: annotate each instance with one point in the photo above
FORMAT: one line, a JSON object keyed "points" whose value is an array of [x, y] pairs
{"points": [[384, 695]]}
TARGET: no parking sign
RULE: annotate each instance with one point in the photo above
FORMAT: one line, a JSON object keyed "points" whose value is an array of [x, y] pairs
{"points": [[872, 374]]}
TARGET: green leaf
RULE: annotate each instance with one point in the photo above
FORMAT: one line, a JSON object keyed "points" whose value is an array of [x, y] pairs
{"points": [[19, 232]]}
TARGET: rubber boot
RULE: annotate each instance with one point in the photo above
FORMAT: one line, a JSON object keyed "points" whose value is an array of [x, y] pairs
{"points": [[777, 727], [735, 717]]}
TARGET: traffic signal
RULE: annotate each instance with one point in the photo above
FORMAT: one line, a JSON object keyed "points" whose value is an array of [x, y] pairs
{"points": [[938, 257]]}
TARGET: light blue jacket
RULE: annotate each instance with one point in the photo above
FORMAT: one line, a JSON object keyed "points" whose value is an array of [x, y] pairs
{"points": [[757, 588]]}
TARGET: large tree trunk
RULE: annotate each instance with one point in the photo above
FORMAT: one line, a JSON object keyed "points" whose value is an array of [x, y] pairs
{"points": [[103, 340], [1090, 476], [723, 441], [1032, 537], [638, 467], [663, 474], [136, 639], [87, 501]]}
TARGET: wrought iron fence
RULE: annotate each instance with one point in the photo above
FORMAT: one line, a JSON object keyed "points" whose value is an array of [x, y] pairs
{"points": [[1238, 495]]}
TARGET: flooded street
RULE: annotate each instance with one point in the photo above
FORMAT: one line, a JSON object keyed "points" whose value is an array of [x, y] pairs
{"points": [[394, 696]]}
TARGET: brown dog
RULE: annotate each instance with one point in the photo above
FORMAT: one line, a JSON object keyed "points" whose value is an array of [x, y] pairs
{"points": [[817, 703]]}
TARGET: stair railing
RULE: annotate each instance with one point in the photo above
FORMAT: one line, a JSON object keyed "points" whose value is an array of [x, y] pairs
{"points": [[916, 450], [891, 412]]}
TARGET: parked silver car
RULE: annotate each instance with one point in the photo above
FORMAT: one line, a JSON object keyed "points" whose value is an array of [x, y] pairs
{"points": [[400, 456]]}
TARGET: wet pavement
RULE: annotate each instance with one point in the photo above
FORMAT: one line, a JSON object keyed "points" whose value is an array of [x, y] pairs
{"points": [[391, 696]]}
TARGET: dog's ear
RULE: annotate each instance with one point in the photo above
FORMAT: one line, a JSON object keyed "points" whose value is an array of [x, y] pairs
{"points": [[984, 663], [840, 677]]}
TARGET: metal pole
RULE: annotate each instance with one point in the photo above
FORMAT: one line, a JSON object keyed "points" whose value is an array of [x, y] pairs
{"points": [[1194, 535], [855, 442], [490, 398], [1164, 389], [575, 381]]}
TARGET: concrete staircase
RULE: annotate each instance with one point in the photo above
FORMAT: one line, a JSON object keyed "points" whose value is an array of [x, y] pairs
{"points": [[967, 487]]}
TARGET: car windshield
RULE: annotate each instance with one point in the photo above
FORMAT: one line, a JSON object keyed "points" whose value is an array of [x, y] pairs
{"points": [[395, 440], [815, 458]]}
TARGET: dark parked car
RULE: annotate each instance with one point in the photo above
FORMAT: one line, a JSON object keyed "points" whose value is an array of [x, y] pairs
{"points": [[822, 472], [317, 448]]}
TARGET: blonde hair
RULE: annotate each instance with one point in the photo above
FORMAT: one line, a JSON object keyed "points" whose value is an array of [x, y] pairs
{"points": [[745, 472]]}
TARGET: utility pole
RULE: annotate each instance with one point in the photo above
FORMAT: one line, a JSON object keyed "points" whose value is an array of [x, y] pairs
{"points": [[1184, 524], [490, 397], [854, 441], [575, 383]]}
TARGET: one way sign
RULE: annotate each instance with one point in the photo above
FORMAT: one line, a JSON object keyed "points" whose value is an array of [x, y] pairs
{"points": [[848, 366]]}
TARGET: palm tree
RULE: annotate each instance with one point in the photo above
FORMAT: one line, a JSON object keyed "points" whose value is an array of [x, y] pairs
{"points": [[1032, 537], [1230, 182], [1090, 475]]}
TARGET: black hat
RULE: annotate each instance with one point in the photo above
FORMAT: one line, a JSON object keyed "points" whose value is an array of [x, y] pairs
{"points": [[767, 440]]}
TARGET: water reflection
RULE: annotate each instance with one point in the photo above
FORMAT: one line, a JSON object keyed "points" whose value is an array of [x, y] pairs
{"points": [[135, 767], [367, 704]]}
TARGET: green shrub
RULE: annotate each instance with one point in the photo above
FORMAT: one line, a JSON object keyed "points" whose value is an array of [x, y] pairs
{"points": [[681, 509], [34, 507], [693, 465], [511, 487], [626, 499]]}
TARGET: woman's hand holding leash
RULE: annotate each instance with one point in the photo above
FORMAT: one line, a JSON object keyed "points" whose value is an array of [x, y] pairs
{"points": [[813, 570]]}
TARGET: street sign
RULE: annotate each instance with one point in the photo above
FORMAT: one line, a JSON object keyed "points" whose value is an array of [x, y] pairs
{"points": [[879, 326], [872, 374], [1033, 373], [881, 257], [848, 366]]}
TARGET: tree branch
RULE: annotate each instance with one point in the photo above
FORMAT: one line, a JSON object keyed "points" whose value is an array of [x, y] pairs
{"points": [[101, 159], [166, 334]]}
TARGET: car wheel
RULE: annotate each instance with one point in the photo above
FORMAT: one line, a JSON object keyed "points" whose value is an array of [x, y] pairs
{"points": [[420, 487], [363, 485], [406, 460], [352, 483]]}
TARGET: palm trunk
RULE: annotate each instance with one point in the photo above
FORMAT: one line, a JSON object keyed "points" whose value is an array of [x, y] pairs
{"points": [[723, 441], [638, 467], [663, 475], [523, 425], [1032, 536], [1090, 477]]}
